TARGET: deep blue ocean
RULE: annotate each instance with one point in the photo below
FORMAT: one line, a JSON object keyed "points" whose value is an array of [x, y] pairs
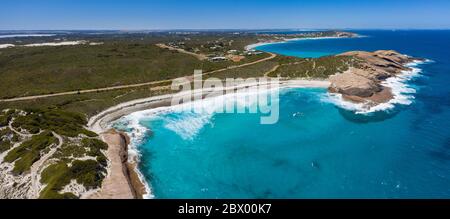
{"points": [[317, 149]]}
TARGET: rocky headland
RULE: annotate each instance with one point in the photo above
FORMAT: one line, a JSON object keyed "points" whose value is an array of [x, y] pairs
{"points": [[363, 81]]}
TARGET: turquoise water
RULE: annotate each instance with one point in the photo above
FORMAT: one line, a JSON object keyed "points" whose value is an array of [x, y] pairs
{"points": [[317, 149], [298, 48]]}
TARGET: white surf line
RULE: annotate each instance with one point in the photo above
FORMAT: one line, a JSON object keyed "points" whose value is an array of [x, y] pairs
{"points": [[253, 46], [100, 122]]}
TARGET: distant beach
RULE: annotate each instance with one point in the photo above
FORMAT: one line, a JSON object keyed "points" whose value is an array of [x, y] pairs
{"points": [[255, 45]]}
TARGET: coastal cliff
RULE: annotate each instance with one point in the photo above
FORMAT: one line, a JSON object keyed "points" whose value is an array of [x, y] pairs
{"points": [[363, 82]]}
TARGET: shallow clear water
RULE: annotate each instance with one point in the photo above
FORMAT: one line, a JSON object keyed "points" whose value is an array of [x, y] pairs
{"points": [[316, 150]]}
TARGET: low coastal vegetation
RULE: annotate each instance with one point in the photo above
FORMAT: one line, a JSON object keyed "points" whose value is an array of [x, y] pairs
{"points": [[62, 122], [89, 104], [87, 147], [7, 139], [317, 68], [59, 69], [71, 68], [88, 173], [53, 144], [252, 71], [5, 117], [29, 152]]}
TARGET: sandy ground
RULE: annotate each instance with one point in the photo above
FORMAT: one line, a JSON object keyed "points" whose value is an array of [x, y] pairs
{"points": [[66, 43], [198, 56], [118, 184]]}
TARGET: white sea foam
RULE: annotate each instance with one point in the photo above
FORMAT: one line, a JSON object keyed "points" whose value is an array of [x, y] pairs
{"points": [[189, 124], [137, 133], [403, 93], [187, 119]]}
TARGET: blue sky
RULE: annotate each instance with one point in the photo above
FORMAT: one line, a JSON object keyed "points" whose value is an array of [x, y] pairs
{"points": [[222, 14]]}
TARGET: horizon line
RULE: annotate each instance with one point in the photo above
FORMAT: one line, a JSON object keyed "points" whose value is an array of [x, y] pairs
{"points": [[221, 29]]}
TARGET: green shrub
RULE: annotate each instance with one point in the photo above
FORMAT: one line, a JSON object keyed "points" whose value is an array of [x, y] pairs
{"points": [[65, 123], [322, 67], [7, 138], [55, 177], [88, 173], [4, 121], [4, 146], [6, 117], [29, 152], [51, 194], [95, 146], [70, 150], [102, 160]]}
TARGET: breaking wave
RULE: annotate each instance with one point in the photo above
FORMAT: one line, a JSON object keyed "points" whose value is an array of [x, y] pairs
{"points": [[187, 125], [187, 120]]}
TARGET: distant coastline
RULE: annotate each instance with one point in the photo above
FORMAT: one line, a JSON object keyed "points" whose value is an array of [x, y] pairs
{"points": [[255, 45], [338, 35]]}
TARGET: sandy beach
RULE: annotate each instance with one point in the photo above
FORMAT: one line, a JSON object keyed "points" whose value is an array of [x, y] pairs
{"points": [[124, 180], [121, 181], [253, 46]]}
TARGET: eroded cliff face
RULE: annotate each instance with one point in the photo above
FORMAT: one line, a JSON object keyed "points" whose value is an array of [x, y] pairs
{"points": [[362, 83]]}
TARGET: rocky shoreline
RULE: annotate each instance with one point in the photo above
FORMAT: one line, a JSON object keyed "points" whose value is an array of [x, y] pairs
{"points": [[363, 82]]}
